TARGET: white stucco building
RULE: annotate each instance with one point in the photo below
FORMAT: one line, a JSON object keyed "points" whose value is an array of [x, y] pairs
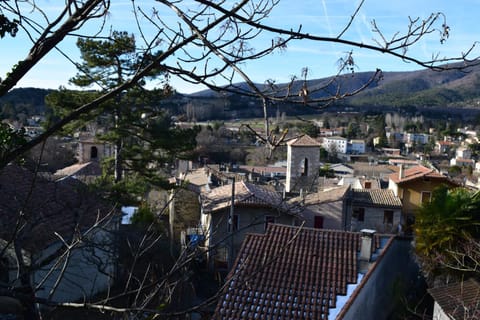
{"points": [[335, 144]]}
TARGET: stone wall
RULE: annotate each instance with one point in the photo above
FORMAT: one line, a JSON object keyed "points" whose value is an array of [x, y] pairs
{"points": [[395, 274], [295, 167], [374, 219]]}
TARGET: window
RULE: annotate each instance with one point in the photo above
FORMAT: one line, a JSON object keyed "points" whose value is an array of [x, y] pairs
{"points": [[426, 196], [359, 214], [304, 167], [269, 219], [388, 216], [93, 152], [234, 223], [368, 184], [318, 222]]}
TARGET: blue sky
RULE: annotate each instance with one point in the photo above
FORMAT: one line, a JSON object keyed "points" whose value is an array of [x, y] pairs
{"points": [[320, 17]]}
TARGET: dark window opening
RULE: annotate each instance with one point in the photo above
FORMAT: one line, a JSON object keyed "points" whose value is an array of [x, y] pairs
{"points": [[388, 216], [305, 167], [93, 152], [426, 196], [359, 214], [318, 222]]}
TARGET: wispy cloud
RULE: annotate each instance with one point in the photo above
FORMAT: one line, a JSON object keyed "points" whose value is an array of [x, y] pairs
{"points": [[363, 27], [327, 18]]}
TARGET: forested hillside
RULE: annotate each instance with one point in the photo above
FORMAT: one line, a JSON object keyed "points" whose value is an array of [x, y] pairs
{"points": [[416, 89], [23, 101]]}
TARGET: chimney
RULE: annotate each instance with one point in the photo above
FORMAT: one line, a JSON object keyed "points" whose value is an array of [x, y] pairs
{"points": [[401, 174], [367, 244]]}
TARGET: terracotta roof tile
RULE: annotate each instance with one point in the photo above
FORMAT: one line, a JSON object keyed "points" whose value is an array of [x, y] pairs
{"points": [[304, 141], [324, 196], [290, 273], [198, 177], [414, 173], [245, 193], [376, 198], [45, 207], [459, 300]]}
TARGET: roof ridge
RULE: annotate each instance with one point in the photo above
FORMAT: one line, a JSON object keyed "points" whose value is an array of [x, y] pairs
{"points": [[271, 276], [304, 140]]}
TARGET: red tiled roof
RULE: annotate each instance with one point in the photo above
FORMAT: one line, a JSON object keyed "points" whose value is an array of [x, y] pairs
{"points": [[384, 198], [44, 207], [197, 177], [290, 273], [245, 193], [414, 173], [459, 300], [324, 196], [304, 141]]}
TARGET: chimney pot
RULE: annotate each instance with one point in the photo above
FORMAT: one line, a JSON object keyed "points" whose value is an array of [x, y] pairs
{"points": [[367, 244]]}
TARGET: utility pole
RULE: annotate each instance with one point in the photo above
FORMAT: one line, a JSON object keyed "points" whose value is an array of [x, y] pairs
{"points": [[230, 223]]}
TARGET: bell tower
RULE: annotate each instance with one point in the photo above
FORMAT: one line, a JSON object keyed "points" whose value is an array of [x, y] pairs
{"points": [[90, 149], [303, 164]]}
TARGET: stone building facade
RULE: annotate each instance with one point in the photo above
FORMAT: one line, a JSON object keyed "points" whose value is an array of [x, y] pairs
{"points": [[90, 149], [303, 164]]}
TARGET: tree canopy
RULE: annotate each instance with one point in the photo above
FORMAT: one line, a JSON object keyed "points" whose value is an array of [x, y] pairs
{"points": [[144, 138], [202, 42], [447, 231], [209, 46]]}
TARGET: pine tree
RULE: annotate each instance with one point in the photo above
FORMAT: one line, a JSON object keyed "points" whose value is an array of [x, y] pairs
{"points": [[144, 138]]}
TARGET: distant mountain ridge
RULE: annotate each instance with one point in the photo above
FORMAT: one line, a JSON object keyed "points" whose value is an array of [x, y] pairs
{"points": [[418, 89], [422, 88]]}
